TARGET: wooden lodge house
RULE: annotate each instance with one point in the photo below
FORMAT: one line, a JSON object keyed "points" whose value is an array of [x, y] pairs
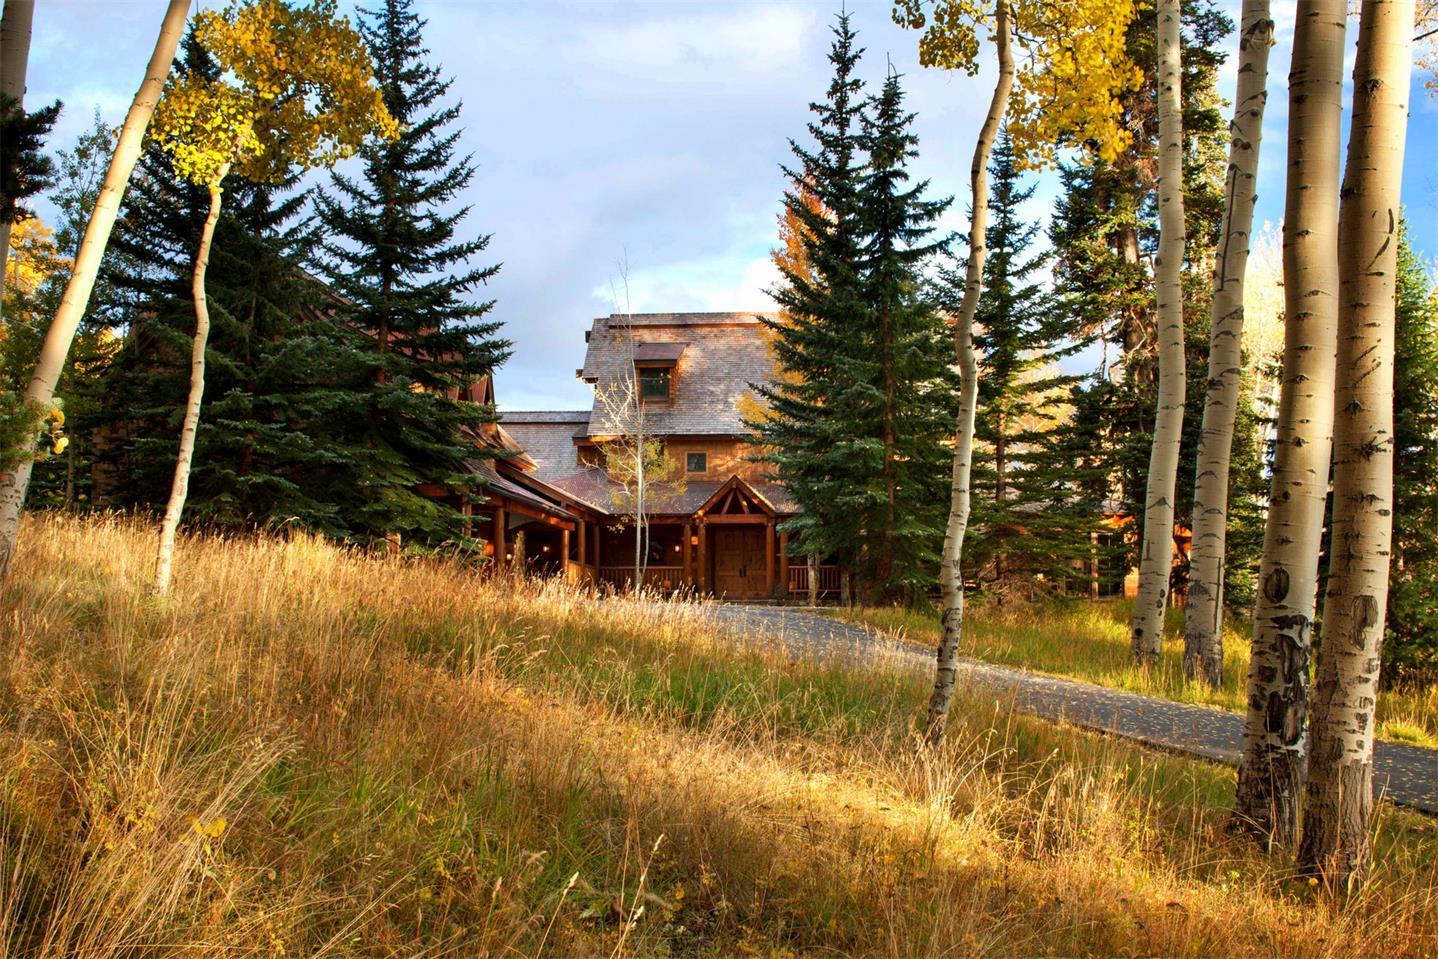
{"points": [[552, 502]]}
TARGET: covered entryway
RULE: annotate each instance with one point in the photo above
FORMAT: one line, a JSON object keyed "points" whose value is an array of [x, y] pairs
{"points": [[738, 543], [741, 561]]}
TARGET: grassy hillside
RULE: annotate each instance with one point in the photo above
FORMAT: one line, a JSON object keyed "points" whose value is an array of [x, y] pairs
{"points": [[310, 751], [1090, 641]]}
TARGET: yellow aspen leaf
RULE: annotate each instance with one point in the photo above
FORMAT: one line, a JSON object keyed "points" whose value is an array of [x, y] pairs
{"points": [[1072, 67], [294, 88]]}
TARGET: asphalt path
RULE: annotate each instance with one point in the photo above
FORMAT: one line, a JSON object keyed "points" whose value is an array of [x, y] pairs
{"points": [[1403, 774]]}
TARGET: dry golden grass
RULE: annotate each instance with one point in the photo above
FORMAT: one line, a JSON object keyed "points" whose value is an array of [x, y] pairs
{"points": [[309, 751]]}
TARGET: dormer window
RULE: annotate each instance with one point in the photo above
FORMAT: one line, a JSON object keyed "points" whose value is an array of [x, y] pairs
{"points": [[654, 383], [654, 367]]}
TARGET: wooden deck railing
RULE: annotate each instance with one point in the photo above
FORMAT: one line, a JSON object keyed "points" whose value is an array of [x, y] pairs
{"points": [[799, 579], [667, 578], [578, 572]]}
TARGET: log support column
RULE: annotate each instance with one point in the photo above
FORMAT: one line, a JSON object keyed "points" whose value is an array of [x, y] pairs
{"points": [[497, 536], [770, 587], [703, 555], [783, 590], [688, 555]]}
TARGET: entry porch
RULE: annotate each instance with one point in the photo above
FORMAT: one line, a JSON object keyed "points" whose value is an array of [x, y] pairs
{"points": [[730, 547], [733, 559]]}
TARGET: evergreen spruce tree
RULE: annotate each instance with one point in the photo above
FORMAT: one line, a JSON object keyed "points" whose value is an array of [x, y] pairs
{"points": [[282, 373], [819, 335], [394, 250], [902, 408], [1411, 646], [856, 417], [1076, 465], [1021, 527], [25, 170]]}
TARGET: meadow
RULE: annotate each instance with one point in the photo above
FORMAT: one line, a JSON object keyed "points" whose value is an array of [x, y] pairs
{"points": [[309, 750], [1090, 641]]}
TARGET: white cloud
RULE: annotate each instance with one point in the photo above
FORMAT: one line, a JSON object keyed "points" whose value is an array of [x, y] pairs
{"points": [[683, 47], [726, 283]]}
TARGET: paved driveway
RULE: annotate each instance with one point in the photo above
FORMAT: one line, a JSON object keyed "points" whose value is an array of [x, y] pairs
{"points": [[1406, 775]]}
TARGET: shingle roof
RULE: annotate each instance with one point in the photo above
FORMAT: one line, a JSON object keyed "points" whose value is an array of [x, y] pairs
{"points": [[593, 486], [589, 485], [499, 483], [658, 352], [719, 355], [548, 437], [543, 416], [722, 354]]}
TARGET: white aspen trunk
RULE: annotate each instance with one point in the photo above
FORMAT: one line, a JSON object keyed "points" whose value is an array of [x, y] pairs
{"points": [[1156, 560], [87, 262], [1339, 800], [638, 493], [14, 64], [180, 487], [1270, 776], [951, 580], [813, 561], [15, 24], [1203, 625]]}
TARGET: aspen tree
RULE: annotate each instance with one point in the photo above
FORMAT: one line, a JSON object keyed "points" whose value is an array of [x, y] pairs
{"points": [[1075, 67], [61, 333], [1338, 802], [1156, 558], [1270, 776], [1203, 624], [14, 60], [951, 580], [296, 89]]}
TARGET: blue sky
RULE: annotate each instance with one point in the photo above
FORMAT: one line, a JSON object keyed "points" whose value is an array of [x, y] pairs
{"points": [[646, 134]]}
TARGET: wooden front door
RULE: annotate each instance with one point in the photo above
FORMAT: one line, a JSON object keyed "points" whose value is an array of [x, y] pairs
{"points": [[739, 561]]}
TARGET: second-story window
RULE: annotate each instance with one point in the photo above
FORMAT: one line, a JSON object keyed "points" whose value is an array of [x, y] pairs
{"points": [[654, 384], [696, 462]]}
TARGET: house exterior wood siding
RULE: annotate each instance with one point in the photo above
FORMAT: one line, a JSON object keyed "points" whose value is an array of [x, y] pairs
{"points": [[721, 534]]}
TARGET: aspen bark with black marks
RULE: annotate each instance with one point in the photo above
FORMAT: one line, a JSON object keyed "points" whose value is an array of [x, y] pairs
{"points": [[1270, 776], [1338, 803], [951, 580], [1203, 623], [1156, 558]]}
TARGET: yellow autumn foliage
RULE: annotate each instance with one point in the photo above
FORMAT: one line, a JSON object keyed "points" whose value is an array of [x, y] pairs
{"points": [[1072, 67], [33, 257], [296, 89]]}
